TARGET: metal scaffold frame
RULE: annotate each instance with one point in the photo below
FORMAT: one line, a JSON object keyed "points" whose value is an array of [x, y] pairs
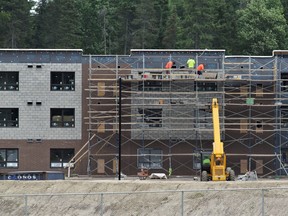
{"points": [[169, 110]]}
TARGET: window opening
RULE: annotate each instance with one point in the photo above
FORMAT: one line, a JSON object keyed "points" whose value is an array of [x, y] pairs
{"points": [[9, 81], [153, 117], [9, 158], [62, 117], [59, 158], [62, 81], [9, 117], [150, 158]]}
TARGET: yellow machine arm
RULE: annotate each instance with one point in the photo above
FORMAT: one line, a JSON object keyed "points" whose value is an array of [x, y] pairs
{"points": [[218, 149], [217, 170]]}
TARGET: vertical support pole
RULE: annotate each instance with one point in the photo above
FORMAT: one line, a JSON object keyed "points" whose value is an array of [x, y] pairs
{"points": [[90, 117], [182, 203], [101, 205], [69, 171], [26, 213], [262, 202], [250, 116], [278, 119], [120, 128]]}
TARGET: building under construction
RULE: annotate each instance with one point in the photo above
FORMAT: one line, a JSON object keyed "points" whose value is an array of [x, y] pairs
{"points": [[102, 114]]}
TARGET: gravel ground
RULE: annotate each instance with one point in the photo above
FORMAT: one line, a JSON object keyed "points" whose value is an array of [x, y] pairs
{"points": [[133, 197]]}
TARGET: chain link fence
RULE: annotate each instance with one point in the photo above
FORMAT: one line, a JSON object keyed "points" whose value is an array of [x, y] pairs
{"points": [[240, 201]]}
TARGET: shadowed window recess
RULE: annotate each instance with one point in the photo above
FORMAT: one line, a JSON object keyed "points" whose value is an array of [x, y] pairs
{"points": [[9, 158], [62, 117], [9, 81], [62, 81], [59, 158]]}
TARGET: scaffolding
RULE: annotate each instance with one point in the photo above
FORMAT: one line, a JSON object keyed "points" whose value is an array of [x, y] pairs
{"points": [[166, 114]]}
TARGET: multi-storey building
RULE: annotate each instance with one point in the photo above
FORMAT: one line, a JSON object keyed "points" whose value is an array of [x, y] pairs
{"points": [[41, 108], [60, 103]]}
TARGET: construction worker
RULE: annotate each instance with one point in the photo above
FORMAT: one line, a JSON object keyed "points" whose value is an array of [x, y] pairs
{"points": [[169, 65], [190, 63], [200, 69], [169, 172], [206, 164]]}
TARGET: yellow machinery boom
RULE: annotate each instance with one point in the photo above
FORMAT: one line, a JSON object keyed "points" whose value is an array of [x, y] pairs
{"points": [[213, 166], [218, 158], [217, 145]]}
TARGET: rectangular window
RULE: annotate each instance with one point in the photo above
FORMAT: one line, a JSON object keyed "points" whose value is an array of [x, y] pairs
{"points": [[259, 90], [150, 158], [9, 158], [197, 160], [150, 86], [284, 116], [284, 81], [62, 81], [205, 86], [9, 117], [153, 117], [62, 117], [59, 158], [259, 126], [284, 155], [9, 81]]}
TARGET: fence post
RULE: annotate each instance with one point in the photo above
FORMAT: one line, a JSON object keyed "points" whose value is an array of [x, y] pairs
{"points": [[101, 204], [26, 213], [182, 203], [262, 201]]}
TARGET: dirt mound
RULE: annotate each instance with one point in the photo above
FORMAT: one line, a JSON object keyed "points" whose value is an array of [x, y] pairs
{"points": [[130, 197]]}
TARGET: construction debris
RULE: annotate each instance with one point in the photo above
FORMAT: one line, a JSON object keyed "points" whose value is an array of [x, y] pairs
{"points": [[249, 176], [158, 176]]}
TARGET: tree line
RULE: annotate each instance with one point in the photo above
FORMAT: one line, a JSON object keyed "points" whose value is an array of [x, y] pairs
{"points": [[253, 27]]}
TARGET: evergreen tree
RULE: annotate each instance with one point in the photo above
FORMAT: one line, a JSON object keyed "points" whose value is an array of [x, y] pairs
{"points": [[127, 9], [196, 28], [15, 23], [40, 25], [145, 28], [95, 25], [224, 25], [170, 36], [166, 20], [120, 16], [57, 24]]}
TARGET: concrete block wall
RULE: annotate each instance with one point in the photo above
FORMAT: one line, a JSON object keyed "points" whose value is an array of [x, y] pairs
{"points": [[34, 85]]}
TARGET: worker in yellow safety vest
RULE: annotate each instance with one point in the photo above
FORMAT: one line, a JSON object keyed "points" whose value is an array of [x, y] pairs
{"points": [[190, 63]]}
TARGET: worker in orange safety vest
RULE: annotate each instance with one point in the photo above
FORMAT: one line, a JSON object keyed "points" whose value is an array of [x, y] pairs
{"points": [[200, 69]]}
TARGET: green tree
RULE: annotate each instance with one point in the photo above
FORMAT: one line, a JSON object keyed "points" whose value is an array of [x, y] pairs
{"points": [[145, 30], [285, 7], [120, 17], [127, 9], [15, 23], [261, 27], [170, 36], [224, 25], [97, 27], [196, 27], [57, 24]]}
